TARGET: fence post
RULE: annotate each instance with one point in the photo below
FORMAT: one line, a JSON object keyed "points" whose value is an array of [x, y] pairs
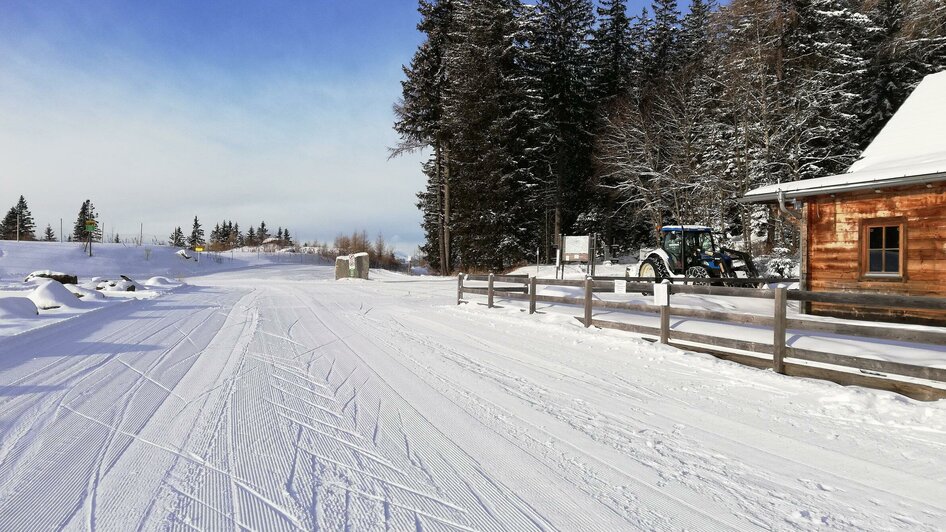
{"points": [[532, 295], [489, 292], [664, 311], [781, 311], [665, 324], [460, 288], [588, 286]]}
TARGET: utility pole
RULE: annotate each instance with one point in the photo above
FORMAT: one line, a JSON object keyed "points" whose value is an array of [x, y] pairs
{"points": [[141, 232], [18, 225]]}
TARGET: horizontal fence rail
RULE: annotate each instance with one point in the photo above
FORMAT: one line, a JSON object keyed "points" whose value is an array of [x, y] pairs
{"points": [[869, 372], [704, 280]]}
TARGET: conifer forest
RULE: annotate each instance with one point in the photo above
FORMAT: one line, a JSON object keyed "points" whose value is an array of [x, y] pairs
{"points": [[576, 117]]}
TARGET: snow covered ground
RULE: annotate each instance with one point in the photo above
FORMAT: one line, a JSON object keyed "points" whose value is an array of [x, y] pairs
{"points": [[273, 398], [108, 261]]}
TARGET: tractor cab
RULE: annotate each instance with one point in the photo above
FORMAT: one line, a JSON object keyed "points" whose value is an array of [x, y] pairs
{"points": [[687, 245]]}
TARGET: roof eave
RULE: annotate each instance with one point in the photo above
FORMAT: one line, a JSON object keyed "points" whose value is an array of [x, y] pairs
{"points": [[772, 197]]}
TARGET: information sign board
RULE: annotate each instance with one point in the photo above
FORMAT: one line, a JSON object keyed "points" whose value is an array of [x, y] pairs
{"points": [[576, 248]]}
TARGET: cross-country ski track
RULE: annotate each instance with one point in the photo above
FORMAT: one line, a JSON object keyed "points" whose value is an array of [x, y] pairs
{"points": [[274, 398]]}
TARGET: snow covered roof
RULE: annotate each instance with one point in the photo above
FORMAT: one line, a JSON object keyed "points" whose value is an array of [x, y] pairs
{"points": [[910, 149]]}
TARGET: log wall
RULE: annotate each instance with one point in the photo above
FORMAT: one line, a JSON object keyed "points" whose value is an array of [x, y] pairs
{"points": [[835, 259]]}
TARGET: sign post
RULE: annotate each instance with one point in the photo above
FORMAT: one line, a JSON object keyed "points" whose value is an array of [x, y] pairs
{"points": [[90, 226], [198, 249]]}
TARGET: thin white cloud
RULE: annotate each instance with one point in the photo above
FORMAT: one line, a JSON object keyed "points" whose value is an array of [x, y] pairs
{"points": [[158, 147]]}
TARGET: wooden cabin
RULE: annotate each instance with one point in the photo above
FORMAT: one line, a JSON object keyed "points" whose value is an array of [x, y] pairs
{"points": [[881, 227]]}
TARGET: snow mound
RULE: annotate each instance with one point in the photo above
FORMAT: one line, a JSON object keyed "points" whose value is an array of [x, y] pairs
{"points": [[52, 295], [122, 285], [16, 307], [49, 274], [161, 281], [84, 292], [133, 282]]}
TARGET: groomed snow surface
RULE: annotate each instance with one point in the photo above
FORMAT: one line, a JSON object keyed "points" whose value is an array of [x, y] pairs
{"points": [[273, 398]]}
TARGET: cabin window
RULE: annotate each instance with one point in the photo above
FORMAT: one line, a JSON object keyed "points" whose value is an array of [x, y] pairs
{"points": [[884, 249]]}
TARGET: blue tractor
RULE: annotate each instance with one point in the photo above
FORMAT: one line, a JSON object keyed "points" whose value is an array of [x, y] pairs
{"points": [[692, 252]]}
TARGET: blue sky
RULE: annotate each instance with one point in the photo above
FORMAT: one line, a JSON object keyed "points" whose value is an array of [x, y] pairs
{"points": [[159, 111]]}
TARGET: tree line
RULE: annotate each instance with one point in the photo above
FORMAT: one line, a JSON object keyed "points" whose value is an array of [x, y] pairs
{"points": [[18, 224], [559, 117], [228, 235]]}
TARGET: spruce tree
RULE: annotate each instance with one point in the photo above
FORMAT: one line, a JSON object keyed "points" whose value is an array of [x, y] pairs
{"points": [[18, 223], [420, 117], [86, 215], [216, 237], [828, 89], [177, 238], [196, 238], [237, 236], [8, 225], [693, 43], [564, 70], [48, 234], [909, 43], [27, 226], [613, 51], [251, 239], [262, 233], [662, 56], [491, 116]]}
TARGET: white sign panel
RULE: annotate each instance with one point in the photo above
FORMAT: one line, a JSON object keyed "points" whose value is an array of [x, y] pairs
{"points": [[661, 294], [576, 248], [620, 287]]}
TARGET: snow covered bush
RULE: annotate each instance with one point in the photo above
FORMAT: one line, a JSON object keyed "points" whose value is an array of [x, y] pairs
{"points": [[779, 264]]}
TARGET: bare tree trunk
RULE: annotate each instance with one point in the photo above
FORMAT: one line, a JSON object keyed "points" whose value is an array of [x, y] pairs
{"points": [[558, 202], [441, 218], [446, 212]]}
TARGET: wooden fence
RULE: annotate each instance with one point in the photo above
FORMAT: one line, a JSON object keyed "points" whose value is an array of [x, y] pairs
{"points": [[868, 372]]}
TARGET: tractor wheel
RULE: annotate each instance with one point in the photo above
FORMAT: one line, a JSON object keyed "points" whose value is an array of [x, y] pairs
{"points": [[653, 267], [696, 273], [647, 269]]}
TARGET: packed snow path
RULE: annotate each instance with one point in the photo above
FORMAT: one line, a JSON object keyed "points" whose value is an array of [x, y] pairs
{"points": [[276, 399]]}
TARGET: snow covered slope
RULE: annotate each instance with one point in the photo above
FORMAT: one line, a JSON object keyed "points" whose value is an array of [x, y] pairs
{"points": [[275, 399], [18, 259]]}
